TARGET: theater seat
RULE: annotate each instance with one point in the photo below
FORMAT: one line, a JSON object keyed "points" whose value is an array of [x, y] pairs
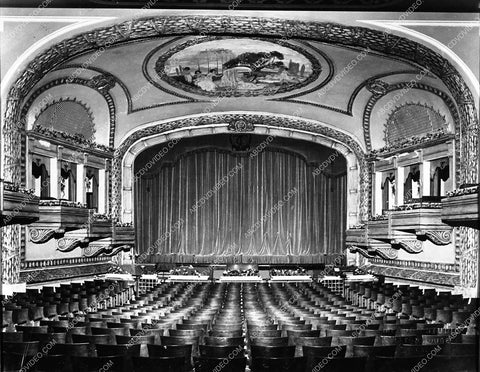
{"points": [[340, 365], [206, 364], [224, 341], [183, 351], [269, 341], [99, 363], [221, 351], [159, 364], [287, 364], [272, 351]]}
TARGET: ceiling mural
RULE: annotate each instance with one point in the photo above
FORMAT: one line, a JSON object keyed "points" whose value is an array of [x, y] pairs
{"points": [[237, 67]]}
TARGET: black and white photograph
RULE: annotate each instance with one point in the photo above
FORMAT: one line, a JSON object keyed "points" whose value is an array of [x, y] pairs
{"points": [[240, 185]]}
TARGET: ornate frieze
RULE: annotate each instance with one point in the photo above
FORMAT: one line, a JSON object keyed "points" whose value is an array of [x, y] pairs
{"points": [[449, 279], [71, 271]]}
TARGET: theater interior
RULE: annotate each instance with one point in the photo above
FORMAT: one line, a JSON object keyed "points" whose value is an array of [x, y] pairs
{"points": [[239, 189]]}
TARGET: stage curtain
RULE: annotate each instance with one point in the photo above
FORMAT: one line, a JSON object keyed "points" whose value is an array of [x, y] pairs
{"points": [[214, 205]]}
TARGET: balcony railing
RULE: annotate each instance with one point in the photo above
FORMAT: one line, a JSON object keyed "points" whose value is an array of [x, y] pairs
{"points": [[460, 207], [18, 205]]}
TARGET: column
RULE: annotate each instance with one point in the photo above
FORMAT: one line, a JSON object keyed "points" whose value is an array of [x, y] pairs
{"points": [[400, 185], [127, 194], [102, 196], [80, 171], [378, 193], [54, 178], [425, 177]]}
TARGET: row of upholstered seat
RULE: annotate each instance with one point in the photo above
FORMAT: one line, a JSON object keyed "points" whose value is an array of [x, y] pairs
{"points": [[428, 303], [168, 317], [464, 314], [51, 302], [399, 350], [241, 312], [54, 363]]}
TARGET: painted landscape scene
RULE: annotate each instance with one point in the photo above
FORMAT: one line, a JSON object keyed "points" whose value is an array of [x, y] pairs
{"points": [[237, 65]]}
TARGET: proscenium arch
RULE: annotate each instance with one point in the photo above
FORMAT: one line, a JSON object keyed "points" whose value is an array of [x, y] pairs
{"points": [[122, 31], [358, 175]]}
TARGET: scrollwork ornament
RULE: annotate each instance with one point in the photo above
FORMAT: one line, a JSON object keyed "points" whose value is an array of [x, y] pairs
{"points": [[39, 236], [442, 237]]}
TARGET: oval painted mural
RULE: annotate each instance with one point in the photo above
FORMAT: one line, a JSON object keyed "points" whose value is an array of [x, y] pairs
{"points": [[237, 67]]}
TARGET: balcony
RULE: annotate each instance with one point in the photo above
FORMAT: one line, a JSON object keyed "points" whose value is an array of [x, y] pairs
{"points": [[18, 205], [406, 227], [460, 207], [422, 217], [56, 217]]}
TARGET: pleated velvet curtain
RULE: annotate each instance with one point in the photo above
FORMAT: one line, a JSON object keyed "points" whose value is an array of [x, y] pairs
{"points": [[213, 205]]}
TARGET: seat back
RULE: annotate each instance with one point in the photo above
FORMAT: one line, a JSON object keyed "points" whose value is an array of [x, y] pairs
{"points": [[53, 363], [26, 348], [224, 341], [226, 333], [259, 332], [92, 339], [261, 351], [269, 341], [163, 364], [407, 351], [12, 336], [368, 351], [124, 350], [221, 351], [340, 365], [75, 349], [310, 341], [287, 364], [206, 364], [312, 353], [98, 363]]}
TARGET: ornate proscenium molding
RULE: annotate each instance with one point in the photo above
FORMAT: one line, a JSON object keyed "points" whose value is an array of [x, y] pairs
{"points": [[410, 245], [39, 235], [438, 237], [69, 244], [241, 126], [276, 121]]}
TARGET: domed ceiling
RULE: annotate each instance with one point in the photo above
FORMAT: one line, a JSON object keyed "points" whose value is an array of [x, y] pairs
{"points": [[343, 84]]}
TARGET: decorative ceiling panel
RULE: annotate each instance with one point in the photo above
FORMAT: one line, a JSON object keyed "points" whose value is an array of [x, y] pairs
{"points": [[229, 66]]}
